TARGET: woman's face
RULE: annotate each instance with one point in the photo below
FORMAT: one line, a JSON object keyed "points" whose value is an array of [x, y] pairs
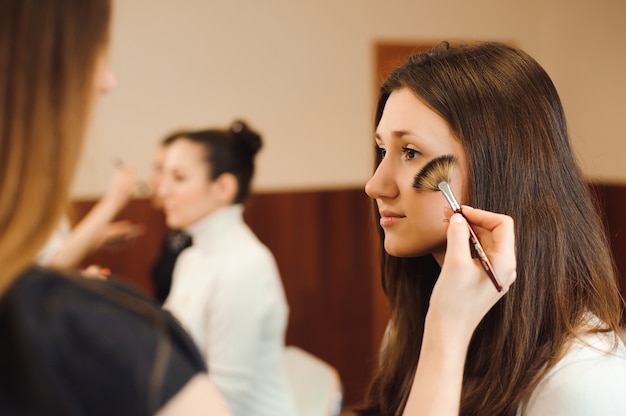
{"points": [[185, 190], [158, 158], [409, 136]]}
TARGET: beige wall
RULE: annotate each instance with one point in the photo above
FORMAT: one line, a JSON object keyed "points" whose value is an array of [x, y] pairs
{"points": [[301, 72]]}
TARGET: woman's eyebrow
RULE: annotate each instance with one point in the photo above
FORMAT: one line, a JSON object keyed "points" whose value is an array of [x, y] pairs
{"points": [[395, 133], [401, 134]]}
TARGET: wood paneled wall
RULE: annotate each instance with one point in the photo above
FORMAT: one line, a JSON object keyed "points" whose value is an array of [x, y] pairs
{"points": [[324, 244]]}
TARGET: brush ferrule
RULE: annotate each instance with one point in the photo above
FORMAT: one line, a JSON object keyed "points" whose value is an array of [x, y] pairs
{"points": [[444, 187]]}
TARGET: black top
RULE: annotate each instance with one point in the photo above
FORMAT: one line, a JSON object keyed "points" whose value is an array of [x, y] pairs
{"points": [[175, 242], [78, 346]]}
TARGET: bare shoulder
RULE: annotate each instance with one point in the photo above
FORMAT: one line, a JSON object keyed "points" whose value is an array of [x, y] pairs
{"points": [[198, 397]]}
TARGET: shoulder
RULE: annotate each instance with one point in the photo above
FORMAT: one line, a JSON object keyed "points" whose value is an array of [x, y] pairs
{"points": [[244, 252], [49, 301], [254, 267], [83, 336], [49, 294], [590, 379]]}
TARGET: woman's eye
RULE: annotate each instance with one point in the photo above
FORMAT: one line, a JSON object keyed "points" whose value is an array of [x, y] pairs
{"points": [[380, 153], [410, 153]]}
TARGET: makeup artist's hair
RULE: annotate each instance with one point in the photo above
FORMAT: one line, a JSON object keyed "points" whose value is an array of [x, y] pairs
{"points": [[49, 52], [227, 151], [48, 56], [504, 109]]}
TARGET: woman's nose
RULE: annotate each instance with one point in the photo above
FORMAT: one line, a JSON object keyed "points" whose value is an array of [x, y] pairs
{"points": [[382, 184], [162, 188], [107, 80]]}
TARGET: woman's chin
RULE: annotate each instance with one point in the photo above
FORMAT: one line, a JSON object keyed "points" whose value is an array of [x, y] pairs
{"points": [[399, 251], [172, 223], [406, 251]]}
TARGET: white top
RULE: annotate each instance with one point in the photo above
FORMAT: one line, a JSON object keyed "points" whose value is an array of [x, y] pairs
{"points": [[56, 239], [590, 380], [227, 292]]}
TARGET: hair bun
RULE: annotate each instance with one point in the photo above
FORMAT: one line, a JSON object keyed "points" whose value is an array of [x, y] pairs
{"points": [[242, 133]]}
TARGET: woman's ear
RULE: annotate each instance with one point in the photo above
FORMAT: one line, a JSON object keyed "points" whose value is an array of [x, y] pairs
{"points": [[227, 187]]}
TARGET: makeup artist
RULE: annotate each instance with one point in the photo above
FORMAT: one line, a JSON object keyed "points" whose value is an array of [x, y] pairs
{"points": [[70, 345], [226, 288], [547, 344]]}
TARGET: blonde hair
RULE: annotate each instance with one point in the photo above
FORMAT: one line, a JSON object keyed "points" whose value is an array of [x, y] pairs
{"points": [[49, 52]]}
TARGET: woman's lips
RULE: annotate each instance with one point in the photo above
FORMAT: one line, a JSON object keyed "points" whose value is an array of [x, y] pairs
{"points": [[389, 218]]}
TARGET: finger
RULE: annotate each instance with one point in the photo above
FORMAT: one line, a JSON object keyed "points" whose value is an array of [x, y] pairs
{"points": [[499, 232], [458, 236], [485, 219], [96, 272], [500, 226]]}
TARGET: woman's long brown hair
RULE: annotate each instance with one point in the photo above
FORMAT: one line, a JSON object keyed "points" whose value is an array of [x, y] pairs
{"points": [[48, 55], [505, 110]]}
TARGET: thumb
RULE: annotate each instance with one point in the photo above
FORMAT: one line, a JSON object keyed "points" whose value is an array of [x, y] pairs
{"points": [[458, 247]]}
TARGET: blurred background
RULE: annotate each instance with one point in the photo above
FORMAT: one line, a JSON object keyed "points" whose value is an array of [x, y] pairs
{"points": [[305, 75]]}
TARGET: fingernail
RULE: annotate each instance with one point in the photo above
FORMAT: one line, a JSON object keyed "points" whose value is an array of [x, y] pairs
{"points": [[456, 219]]}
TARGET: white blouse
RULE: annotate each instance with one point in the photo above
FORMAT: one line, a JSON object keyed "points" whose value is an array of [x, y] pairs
{"points": [[227, 292], [56, 239], [589, 380]]}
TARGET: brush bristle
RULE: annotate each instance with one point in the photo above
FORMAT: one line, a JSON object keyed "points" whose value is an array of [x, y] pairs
{"points": [[435, 171]]}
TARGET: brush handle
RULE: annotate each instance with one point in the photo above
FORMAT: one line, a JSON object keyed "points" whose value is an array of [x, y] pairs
{"points": [[445, 189], [482, 256]]}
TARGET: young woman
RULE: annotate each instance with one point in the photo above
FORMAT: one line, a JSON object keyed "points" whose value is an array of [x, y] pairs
{"points": [[546, 344], [175, 240], [70, 345], [226, 289]]}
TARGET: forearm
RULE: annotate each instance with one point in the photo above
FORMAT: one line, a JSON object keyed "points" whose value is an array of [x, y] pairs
{"points": [[436, 388], [461, 298], [85, 236]]}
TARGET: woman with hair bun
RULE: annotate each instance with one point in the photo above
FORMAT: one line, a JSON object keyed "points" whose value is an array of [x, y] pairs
{"points": [[226, 288]]}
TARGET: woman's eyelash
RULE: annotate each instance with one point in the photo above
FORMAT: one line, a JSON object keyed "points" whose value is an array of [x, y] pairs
{"points": [[381, 152], [411, 153]]}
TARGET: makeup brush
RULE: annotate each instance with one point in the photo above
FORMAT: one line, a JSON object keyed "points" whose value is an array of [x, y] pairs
{"points": [[435, 176]]}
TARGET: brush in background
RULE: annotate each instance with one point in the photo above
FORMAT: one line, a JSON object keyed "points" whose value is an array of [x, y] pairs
{"points": [[143, 188], [435, 176]]}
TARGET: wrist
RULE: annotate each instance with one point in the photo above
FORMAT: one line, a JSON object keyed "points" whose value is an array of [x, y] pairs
{"points": [[112, 203], [453, 335]]}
